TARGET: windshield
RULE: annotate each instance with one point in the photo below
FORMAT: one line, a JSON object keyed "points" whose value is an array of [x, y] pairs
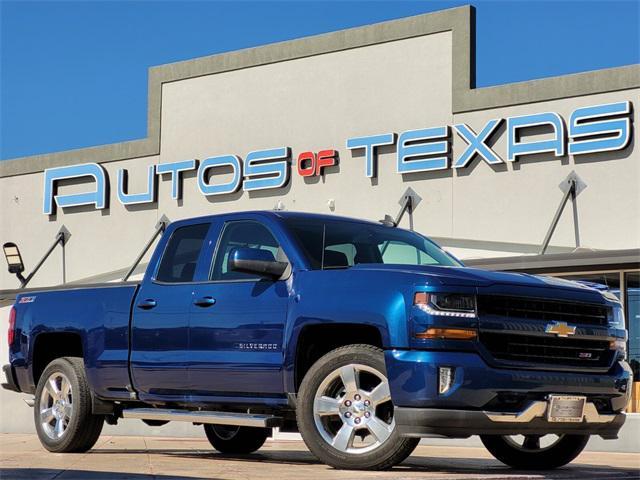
{"points": [[349, 243]]}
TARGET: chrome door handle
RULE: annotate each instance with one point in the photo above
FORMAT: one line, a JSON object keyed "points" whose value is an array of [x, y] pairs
{"points": [[147, 304], [204, 301]]}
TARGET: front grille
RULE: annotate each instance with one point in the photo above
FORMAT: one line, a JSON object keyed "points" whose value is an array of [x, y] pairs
{"points": [[556, 351], [542, 309]]}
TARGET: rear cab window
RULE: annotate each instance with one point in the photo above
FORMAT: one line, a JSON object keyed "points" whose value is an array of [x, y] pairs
{"points": [[180, 257]]}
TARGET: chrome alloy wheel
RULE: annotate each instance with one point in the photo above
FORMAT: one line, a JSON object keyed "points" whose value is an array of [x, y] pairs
{"points": [[225, 432], [56, 405], [532, 443], [352, 409]]}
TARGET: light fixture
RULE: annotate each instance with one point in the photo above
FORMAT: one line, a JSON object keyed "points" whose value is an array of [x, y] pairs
{"points": [[14, 259]]}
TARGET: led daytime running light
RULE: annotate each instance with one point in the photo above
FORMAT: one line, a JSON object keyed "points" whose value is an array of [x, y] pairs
{"points": [[444, 313]]}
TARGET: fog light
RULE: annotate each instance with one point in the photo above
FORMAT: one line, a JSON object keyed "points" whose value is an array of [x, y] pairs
{"points": [[446, 376]]}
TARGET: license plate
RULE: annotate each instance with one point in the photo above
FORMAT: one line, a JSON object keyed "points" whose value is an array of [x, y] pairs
{"points": [[563, 408]]}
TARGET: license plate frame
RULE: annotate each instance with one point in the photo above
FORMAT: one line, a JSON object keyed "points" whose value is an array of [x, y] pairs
{"points": [[566, 408]]}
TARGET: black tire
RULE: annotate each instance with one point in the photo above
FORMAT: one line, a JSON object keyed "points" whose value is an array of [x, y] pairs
{"points": [[563, 451], [81, 427], [389, 452], [236, 440]]}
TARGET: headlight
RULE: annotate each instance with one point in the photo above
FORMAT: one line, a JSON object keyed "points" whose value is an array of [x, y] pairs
{"points": [[610, 296], [617, 319], [446, 304]]}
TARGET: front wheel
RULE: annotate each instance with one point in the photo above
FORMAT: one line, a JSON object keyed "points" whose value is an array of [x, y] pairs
{"points": [[345, 414], [236, 440], [535, 452]]}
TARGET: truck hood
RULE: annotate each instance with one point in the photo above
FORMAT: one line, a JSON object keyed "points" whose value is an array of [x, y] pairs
{"points": [[469, 277]]}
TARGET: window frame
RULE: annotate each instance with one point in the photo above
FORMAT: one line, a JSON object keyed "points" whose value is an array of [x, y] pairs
{"points": [[258, 278], [165, 248]]}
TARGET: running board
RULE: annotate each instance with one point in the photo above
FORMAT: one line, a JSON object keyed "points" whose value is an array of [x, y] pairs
{"points": [[201, 416]]}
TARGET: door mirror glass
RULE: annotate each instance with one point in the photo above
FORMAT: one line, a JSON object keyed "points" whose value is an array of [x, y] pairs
{"points": [[256, 261]]}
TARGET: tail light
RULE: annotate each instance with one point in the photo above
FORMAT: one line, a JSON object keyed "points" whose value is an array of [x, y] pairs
{"points": [[12, 326]]}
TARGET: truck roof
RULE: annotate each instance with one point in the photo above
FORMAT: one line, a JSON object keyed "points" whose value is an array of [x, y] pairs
{"points": [[283, 215]]}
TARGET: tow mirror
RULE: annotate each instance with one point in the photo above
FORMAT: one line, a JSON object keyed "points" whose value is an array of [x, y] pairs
{"points": [[257, 261]]}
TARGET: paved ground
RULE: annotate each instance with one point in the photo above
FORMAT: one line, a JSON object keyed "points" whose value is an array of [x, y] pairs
{"points": [[143, 458]]}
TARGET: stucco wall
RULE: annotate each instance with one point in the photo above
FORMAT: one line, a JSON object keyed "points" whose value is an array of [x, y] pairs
{"points": [[317, 102]]}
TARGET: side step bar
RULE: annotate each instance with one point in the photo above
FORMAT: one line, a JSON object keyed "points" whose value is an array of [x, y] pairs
{"points": [[200, 416]]}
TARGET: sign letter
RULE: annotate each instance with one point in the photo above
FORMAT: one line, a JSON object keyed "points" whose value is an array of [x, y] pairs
{"points": [[174, 169], [606, 135], [229, 187], [370, 144], [136, 198], [98, 197], [516, 148], [414, 145], [477, 143], [262, 173]]}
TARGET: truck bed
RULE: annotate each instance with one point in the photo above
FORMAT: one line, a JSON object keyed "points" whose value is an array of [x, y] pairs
{"points": [[98, 314]]}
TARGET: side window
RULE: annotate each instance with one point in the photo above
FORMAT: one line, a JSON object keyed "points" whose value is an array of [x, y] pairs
{"points": [[339, 256], [180, 256], [242, 234], [404, 254]]}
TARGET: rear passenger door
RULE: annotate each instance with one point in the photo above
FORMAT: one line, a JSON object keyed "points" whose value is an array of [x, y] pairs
{"points": [[160, 323], [237, 321]]}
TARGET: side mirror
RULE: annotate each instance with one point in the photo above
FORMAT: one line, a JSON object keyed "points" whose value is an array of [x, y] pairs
{"points": [[14, 259], [257, 261]]}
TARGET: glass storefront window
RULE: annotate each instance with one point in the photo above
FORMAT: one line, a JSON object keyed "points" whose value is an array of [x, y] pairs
{"points": [[632, 295]]}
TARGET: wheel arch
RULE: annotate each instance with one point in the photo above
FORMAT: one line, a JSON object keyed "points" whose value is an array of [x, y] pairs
{"points": [[47, 346], [314, 340]]}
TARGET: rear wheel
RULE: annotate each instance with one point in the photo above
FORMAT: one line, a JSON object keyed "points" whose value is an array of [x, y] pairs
{"points": [[535, 452], [345, 414], [62, 409], [236, 440]]}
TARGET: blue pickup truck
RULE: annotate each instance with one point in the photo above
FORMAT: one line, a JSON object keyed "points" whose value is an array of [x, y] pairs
{"points": [[361, 336]]}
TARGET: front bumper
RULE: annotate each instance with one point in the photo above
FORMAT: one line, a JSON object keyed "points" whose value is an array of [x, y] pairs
{"points": [[488, 400], [421, 422], [413, 380]]}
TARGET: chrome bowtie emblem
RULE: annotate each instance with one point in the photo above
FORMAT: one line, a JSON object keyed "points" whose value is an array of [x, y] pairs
{"points": [[561, 329]]}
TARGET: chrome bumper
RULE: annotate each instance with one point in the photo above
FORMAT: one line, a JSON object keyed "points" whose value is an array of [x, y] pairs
{"points": [[539, 409], [427, 422]]}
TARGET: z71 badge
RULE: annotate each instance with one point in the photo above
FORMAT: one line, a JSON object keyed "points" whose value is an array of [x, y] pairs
{"points": [[27, 300]]}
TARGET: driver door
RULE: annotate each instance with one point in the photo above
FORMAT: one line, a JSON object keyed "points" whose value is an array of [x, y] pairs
{"points": [[237, 330]]}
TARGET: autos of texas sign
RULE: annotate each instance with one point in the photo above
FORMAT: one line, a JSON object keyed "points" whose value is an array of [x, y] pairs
{"points": [[589, 130]]}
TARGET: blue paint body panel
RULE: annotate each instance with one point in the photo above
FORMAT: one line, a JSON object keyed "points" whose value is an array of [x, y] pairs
{"points": [[241, 347]]}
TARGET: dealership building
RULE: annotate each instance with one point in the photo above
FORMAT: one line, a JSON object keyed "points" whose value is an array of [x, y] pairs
{"points": [[539, 176]]}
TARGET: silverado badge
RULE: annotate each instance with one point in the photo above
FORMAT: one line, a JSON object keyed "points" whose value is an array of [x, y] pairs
{"points": [[560, 328]]}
